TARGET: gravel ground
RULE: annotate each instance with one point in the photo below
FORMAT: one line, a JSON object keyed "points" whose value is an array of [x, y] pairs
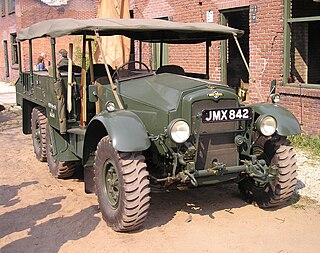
{"points": [[308, 175], [39, 213], [7, 88]]}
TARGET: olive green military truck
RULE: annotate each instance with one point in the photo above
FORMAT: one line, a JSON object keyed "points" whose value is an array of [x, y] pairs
{"points": [[134, 128]]}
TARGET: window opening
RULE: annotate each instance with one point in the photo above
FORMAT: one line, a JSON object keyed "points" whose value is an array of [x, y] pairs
{"points": [[302, 56], [3, 8], [11, 6], [14, 49]]}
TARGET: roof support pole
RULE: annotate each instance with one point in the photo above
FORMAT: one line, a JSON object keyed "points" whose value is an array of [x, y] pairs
{"points": [[54, 62], [161, 54], [208, 44], [113, 86], [140, 52], [83, 85], [30, 62], [70, 81], [91, 61]]}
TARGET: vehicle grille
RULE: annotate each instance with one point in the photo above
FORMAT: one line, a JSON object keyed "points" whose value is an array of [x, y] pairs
{"points": [[216, 141]]}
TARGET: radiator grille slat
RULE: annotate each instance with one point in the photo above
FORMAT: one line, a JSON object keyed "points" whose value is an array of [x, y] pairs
{"points": [[218, 146]]}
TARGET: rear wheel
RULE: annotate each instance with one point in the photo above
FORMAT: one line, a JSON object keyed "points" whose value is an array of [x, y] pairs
{"points": [[122, 187], [58, 169], [280, 156], [38, 129]]}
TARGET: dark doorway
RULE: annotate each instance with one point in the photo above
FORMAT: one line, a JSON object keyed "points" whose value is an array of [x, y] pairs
{"points": [[233, 67]]}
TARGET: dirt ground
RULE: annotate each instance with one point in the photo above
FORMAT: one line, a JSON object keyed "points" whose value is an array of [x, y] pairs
{"points": [[39, 213]]}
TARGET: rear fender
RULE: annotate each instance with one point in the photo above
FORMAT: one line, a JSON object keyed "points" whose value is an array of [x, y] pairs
{"points": [[27, 107], [287, 123]]}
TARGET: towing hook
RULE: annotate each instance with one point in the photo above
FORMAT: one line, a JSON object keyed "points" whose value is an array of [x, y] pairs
{"points": [[194, 181], [258, 170]]}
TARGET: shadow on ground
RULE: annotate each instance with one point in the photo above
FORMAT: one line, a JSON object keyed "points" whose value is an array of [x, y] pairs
{"points": [[23, 218], [9, 193], [46, 236], [8, 115], [10, 119]]}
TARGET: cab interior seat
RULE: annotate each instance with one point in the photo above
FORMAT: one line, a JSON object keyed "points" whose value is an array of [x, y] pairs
{"points": [[174, 69], [99, 70], [76, 70]]}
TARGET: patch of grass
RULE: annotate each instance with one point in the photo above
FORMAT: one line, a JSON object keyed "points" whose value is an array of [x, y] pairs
{"points": [[298, 206], [307, 143], [301, 202], [294, 199]]}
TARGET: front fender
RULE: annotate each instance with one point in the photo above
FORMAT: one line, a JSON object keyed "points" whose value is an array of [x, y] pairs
{"points": [[287, 123], [126, 130]]}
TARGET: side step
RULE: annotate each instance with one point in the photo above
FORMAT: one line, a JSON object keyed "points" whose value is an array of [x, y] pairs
{"points": [[77, 130]]}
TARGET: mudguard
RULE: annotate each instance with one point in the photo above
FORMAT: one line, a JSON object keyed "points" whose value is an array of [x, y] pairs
{"points": [[127, 131], [287, 123]]}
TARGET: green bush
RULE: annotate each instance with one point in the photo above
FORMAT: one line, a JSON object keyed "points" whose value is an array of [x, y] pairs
{"points": [[306, 142]]}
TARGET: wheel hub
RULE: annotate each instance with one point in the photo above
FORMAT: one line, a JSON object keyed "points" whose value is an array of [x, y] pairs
{"points": [[111, 184], [37, 134]]}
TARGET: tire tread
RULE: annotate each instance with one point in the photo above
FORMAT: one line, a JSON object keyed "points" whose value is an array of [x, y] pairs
{"points": [[284, 183]]}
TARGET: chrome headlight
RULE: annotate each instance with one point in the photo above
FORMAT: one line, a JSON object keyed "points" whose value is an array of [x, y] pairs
{"points": [[266, 125], [110, 106], [275, 98], [179, 131]]}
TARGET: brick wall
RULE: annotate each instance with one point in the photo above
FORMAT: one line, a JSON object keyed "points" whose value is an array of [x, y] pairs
{"points": [[304, 104], [193, 57], [266, 46], [8, 26], [265, 42], [32, 11]]}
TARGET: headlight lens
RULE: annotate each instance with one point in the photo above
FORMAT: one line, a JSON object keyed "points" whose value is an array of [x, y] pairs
{"points": [[267, 125], [179, 131], [110, 106], [275, 98]]}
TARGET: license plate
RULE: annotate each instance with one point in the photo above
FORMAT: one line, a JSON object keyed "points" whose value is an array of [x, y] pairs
{"points": [[229, 114]]}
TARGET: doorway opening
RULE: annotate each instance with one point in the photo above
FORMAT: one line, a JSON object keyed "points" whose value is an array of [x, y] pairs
{"points": [[234, 72]]}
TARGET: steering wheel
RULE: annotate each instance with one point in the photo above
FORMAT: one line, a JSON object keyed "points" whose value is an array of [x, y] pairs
{"points": [[116, 72]]}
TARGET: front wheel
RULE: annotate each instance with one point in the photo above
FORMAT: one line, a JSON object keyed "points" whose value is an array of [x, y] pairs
{"points": [[280, 156], [122, 186]]}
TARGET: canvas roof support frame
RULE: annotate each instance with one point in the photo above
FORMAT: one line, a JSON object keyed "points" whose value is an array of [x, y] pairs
{"points": [[139, 29]]}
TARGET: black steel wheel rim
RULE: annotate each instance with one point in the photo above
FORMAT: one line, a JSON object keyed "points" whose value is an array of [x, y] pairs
{"points": [[110, 180], [37, 134]]}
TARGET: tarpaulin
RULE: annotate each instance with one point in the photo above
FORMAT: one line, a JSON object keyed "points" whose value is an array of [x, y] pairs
{"points": [[116, 48]]}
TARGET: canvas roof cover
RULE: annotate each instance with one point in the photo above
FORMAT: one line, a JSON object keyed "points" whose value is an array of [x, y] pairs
{"points": [[153, 30]]}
